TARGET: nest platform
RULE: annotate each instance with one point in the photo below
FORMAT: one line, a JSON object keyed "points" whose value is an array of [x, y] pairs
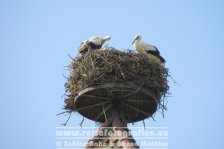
{"points": [[104, 79]]}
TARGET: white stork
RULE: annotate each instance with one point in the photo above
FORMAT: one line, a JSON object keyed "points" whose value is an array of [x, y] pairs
{"points": [[94, 43], [149, 50]]}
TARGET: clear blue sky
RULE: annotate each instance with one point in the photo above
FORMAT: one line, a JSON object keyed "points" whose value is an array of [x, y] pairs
{"points": [[37, 36]]}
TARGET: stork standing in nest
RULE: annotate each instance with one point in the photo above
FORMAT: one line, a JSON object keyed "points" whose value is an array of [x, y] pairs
{"points": [[94, 43], [149, 50]]}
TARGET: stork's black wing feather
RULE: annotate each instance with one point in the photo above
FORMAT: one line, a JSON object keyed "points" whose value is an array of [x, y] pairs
{"points": [[156, 50], [157, 54], [162, 59], [94, 46], [153, 52]]}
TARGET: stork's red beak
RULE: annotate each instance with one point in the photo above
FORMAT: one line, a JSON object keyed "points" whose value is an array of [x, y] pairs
{"points": [[133, 41]]}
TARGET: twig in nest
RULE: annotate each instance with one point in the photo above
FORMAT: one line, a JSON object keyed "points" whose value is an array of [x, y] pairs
{"points": [[62, 96], [121, 71], [67, 120], [63, 113], [153, 118], [91, 58], [70, 57], [81, 122], [65, 77], [104, 114], [121, 58], [105, 46], [163, 105], [144, 123], [134, 91], [174, 80]]}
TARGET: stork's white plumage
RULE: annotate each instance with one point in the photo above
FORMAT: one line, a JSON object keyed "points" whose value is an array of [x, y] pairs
{"points": [[149, 50], [94, 43]]}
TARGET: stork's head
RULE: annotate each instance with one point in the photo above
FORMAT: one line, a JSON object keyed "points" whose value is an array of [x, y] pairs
{"points": [[137, 38], [98, 40], [107, 38], [95, 37]]}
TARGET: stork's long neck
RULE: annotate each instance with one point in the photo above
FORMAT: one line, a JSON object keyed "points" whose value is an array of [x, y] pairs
{"points": [[136, 43], [103, 41]]}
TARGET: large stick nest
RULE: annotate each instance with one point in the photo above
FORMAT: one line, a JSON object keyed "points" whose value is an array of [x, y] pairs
{"points": [[102, 78]]}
